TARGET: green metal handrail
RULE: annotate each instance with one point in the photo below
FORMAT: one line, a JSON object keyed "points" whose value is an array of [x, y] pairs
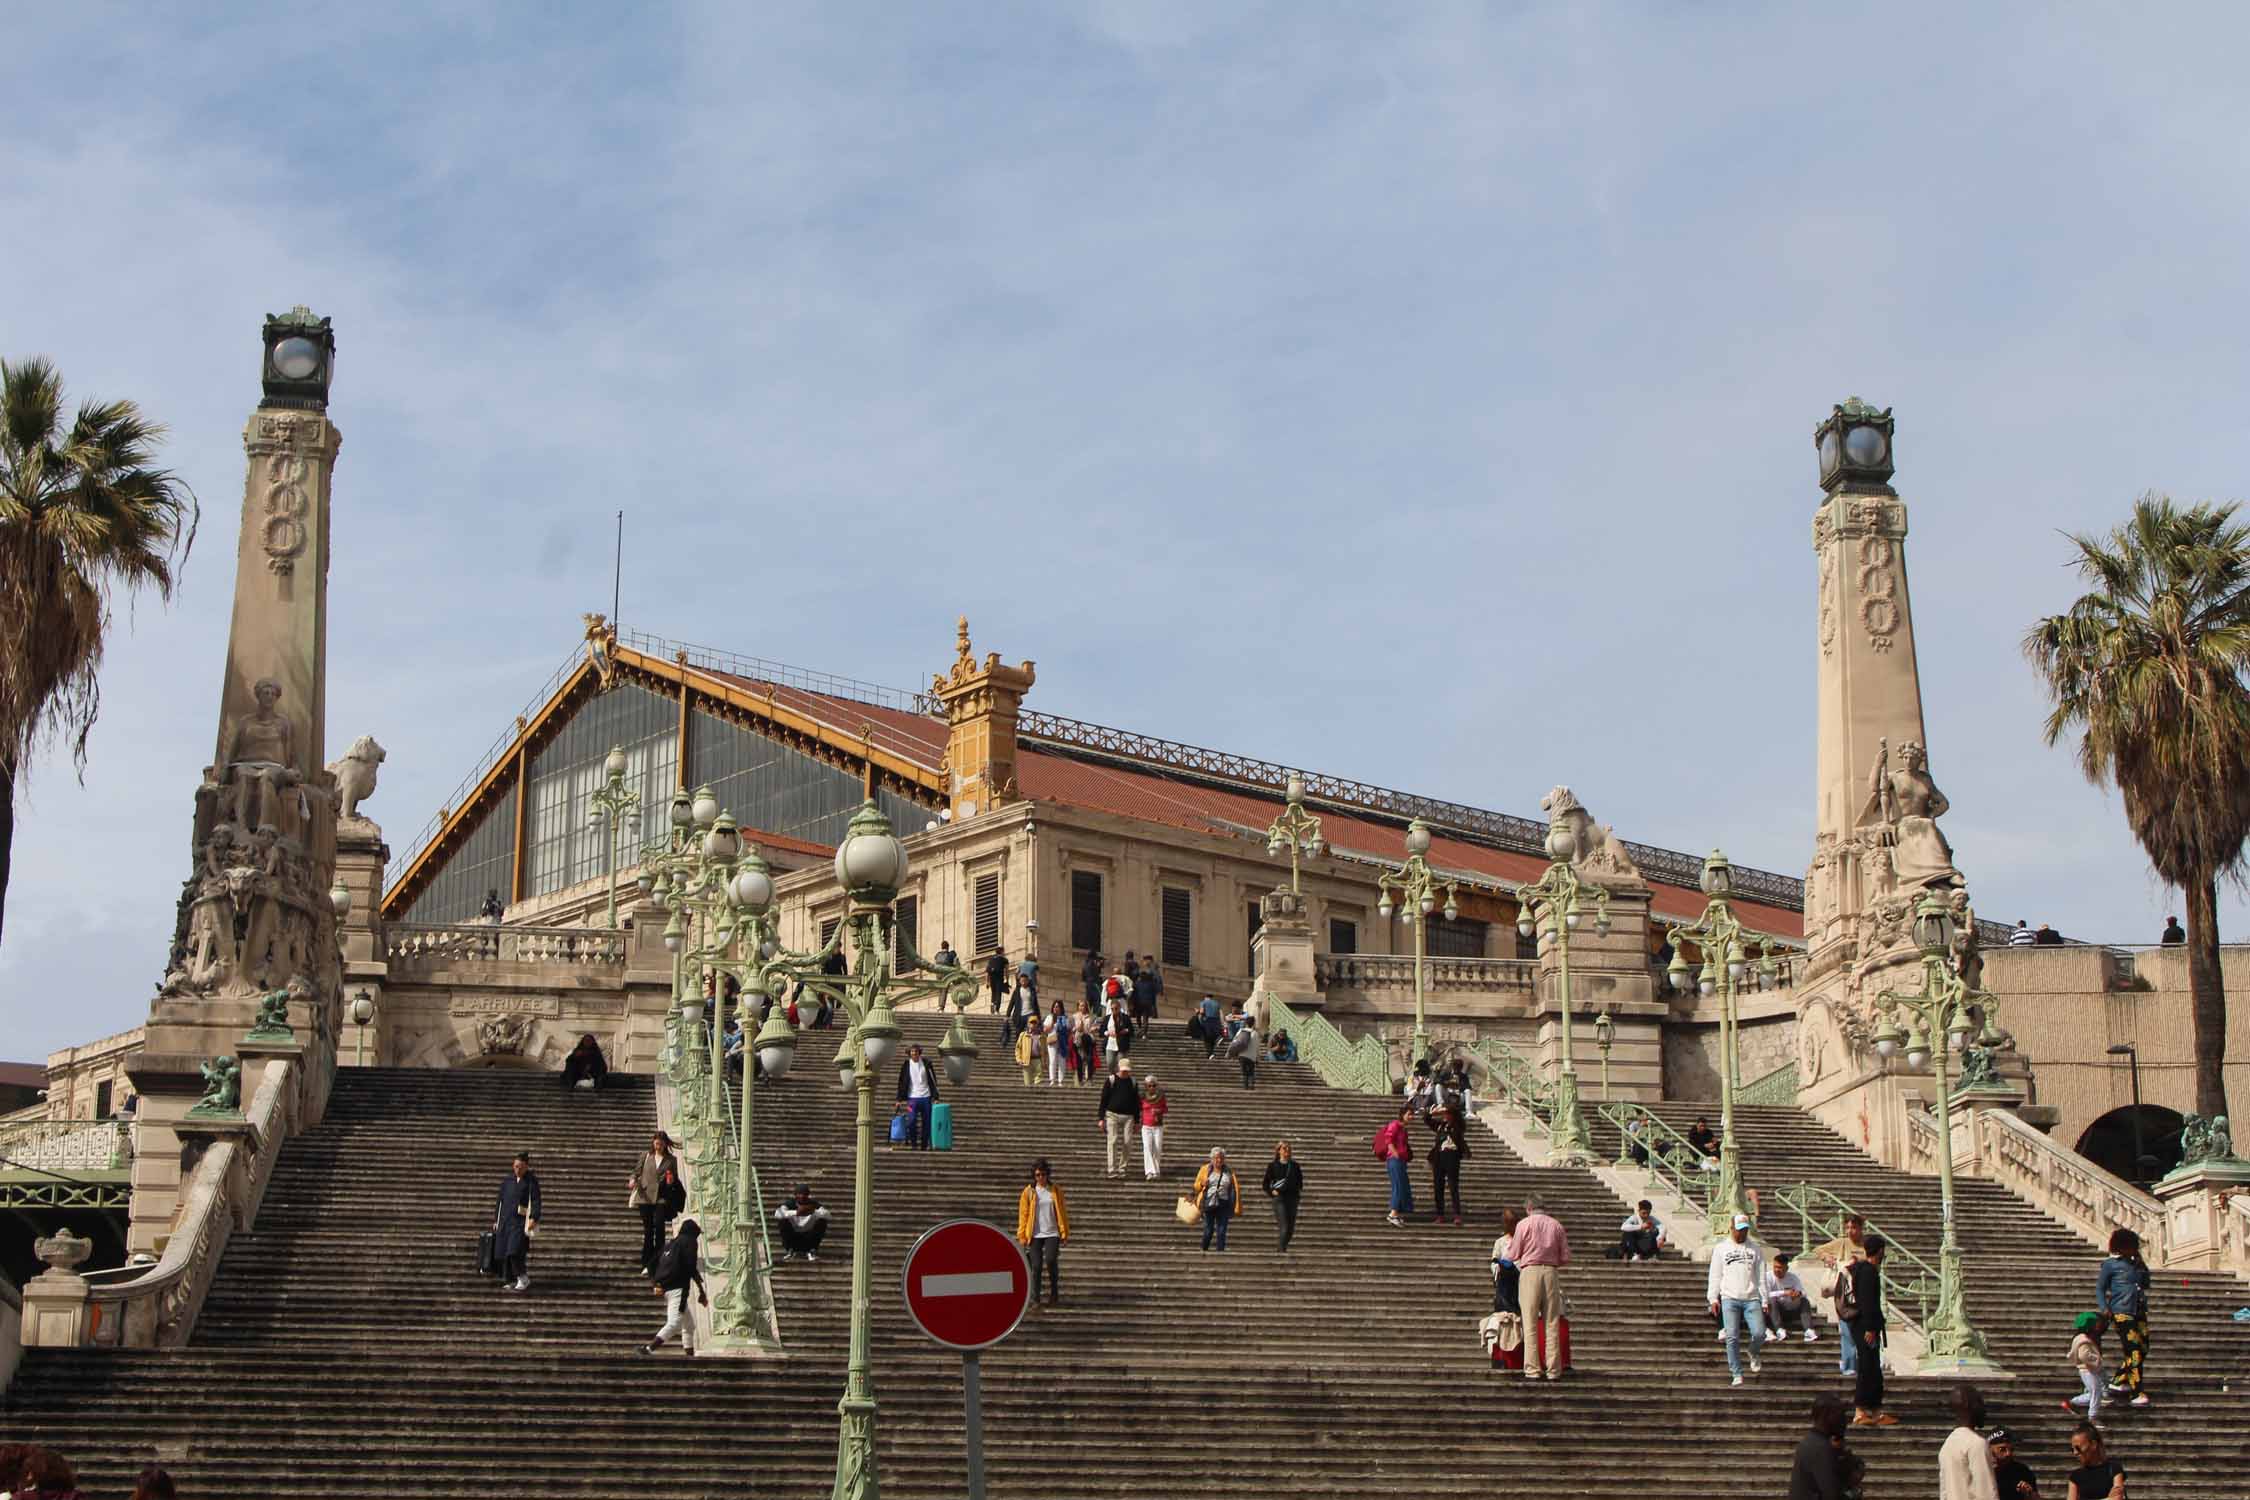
{"points": [[761, 1252], [1672, 1158], [1777, 1088], [1363, 1066], [1822, 1212], [1516, 1080]]}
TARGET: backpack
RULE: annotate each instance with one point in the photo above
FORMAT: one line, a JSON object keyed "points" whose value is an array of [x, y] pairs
{"points": [[1841, 1293], [1382, 1143]]}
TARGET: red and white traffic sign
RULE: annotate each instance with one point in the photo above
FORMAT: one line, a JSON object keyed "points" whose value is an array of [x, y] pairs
{"points": [[966, 1284]]}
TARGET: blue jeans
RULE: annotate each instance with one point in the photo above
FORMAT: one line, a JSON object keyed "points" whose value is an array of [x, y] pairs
{"points": [[1847, 1356], [1215, 1223], [918, 1130], [1734, 1310], [1402, 1186]]}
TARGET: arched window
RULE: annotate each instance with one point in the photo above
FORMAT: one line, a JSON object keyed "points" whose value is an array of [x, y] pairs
{"points": [[2109, 1143]]}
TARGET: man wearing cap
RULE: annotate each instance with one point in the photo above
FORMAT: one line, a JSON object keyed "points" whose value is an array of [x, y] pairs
{"points": [[2011, 1476], [1736, 1291], [1120, 1106]]}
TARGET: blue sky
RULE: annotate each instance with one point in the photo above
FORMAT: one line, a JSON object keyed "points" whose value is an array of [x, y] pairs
{"points": [[1420, 393]]}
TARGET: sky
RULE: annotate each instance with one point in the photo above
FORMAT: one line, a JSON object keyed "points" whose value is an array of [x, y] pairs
{"points": [[1421, 393]]}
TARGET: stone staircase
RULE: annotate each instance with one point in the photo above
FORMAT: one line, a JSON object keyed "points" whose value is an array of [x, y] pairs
{"points": [[348, 1349], [2027, 1277]]}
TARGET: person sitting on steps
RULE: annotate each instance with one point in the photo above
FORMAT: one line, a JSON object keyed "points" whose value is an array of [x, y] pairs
{"points": [[1642, 1233], [803, 1223]]}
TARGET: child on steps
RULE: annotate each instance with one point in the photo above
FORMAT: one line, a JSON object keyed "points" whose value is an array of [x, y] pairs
{"points": [[2086, 1359]]}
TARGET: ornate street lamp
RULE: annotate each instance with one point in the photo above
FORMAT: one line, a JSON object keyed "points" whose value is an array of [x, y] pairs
{"points": [[871, 865], [1941, 1014], [1855, 448], [363, 1016], [613, 802], [1605, 1035], [1297, 830], [1566, 898], [1416, 888], [1717, 936]]}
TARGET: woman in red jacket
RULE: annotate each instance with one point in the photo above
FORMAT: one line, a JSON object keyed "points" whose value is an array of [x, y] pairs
{"points": [[1396, 1149]]}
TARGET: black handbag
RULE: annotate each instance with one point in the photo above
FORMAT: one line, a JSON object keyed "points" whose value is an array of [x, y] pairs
{"points": [[488, 1261]]}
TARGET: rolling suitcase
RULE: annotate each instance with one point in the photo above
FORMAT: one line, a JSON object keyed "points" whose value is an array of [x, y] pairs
{"points": [[487, 1263], [941, 1126]]}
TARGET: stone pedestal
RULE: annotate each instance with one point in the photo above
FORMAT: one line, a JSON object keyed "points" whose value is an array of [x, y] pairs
{"points": [[361, 856], [1281, 955], [54, 1301], [2194, 1203]]}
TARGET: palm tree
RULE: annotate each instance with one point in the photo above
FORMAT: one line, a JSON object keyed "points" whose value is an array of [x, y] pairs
{"points": [[82, 512], [2149, 666]]}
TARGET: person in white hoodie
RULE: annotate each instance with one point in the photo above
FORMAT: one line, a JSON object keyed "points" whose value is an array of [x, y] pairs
{"points": [[1736, 1289]]}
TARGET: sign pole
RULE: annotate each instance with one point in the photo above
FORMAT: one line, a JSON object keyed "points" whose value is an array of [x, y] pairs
{"points": [[972, 1387]]}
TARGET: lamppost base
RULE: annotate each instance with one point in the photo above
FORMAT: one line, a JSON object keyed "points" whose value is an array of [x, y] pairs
{"points": [[1728, 1198], [855, 1450], [1569, 1143]]}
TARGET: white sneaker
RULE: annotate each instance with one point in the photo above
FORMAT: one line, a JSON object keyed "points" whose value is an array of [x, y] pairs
{"points": [[1775, 1335], [523, 1283], [1722, 1338], [1737, 1380], [1755, 1367], [1811, 1337]]}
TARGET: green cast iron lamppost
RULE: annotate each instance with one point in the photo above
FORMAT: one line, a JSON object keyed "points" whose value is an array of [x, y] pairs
{"points": [[1566, 897], [613, 802], [1297, 829], [871, 866], [1717, 936], [1417, 890], [1942, 1014]]}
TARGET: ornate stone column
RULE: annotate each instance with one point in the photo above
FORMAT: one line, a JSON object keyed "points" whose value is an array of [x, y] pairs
{"points": [[254, 947]]}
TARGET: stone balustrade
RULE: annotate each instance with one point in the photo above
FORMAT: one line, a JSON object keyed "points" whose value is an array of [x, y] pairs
{"points": [[1391, 971], [414, 948], [2064, 1184], [157, 1309]]}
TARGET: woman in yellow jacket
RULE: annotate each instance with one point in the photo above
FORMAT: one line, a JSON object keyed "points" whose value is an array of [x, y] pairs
{"points": [[1024, 1054], [1218, 1192], [1042, 1227]]}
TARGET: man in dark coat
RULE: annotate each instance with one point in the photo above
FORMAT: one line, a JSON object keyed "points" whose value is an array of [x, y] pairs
{"points": [[514, 1220]]}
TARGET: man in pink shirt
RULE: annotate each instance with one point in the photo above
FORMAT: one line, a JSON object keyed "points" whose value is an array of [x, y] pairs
{"points": [[1540, 1250]]}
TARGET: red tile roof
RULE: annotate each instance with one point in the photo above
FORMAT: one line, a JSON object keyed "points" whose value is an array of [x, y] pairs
{"points": [[1154, 798]]}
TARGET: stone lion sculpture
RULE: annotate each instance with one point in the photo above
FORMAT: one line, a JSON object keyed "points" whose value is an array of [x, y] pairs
{"points": [[355, 775]]}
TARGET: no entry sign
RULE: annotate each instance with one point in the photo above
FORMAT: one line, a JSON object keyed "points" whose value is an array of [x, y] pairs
{"points": [[966, 1284]]}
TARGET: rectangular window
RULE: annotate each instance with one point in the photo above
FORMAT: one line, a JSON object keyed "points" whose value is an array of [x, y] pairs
{"points": [[101, 1100], [828, 927], [906, 930], [1257, 921], [1085, 910], [1179, 928], [1462, 939], [987, 914], [1343, 936]]}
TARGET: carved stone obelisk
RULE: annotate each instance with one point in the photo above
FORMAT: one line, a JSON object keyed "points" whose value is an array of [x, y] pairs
{"points": [[253, 973], [1878, 849]]}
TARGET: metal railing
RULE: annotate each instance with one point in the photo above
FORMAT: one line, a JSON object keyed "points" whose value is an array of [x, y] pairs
{"points": [[781, 674], [1776, 1088], [1363, 1066], [65, 1146], [1503, 830], [1820, 1218], [1512, 1078], [759, 1248], [413, 945], [1364, 971], [1667, 1155]]}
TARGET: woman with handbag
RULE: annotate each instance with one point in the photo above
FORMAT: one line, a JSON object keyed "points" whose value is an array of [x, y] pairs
{"points": [[1285, 1182], [1218, 1192], [654, 1189]]}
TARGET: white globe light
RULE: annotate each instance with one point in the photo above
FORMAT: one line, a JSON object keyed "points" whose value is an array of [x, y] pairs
{"points": [[614, 764], [871, 860], [705, 808], [1417, 839]]}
